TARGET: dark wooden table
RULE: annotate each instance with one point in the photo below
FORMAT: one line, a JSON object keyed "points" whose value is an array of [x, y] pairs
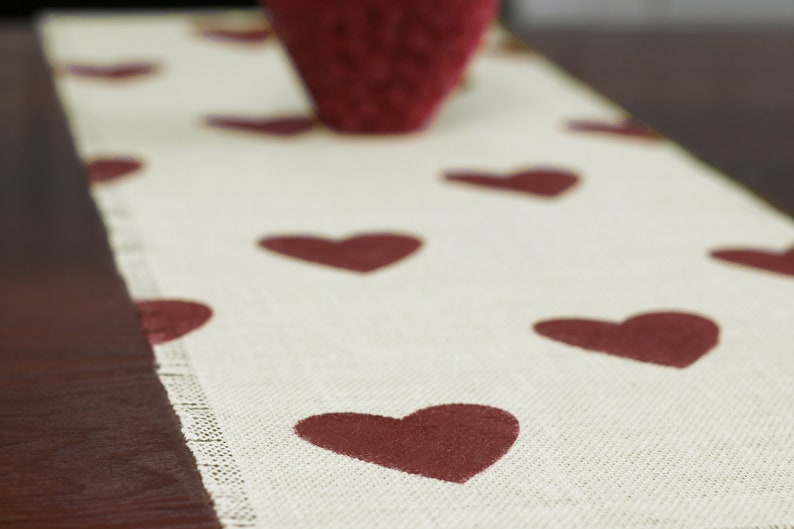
{"points": [[87, 438], [727, 95]]}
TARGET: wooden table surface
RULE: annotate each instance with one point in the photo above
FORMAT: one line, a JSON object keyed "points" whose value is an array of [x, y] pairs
{"points": [[87, 437]]}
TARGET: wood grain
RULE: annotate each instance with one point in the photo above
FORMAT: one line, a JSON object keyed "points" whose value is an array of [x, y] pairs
{"points": [[87, 438]]}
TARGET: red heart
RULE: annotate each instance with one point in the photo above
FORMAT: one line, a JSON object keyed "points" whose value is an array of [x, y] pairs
{"points": [[100, 170], [628, 127], [452, 442], [164, 320], [779, 262], [117, 72], [380, 67], [241, 36], [279, 126], [673, 339], [541, 182], [361, 253]]}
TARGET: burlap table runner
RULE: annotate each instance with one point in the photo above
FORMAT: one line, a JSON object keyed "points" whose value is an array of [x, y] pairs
{"points": [[537, 314]]}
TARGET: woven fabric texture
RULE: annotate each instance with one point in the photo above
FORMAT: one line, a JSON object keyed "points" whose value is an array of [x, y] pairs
{"points": [[532, 256]]}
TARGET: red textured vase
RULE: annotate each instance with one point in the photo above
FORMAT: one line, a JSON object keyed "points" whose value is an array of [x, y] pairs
{"points": [[379, 66]]}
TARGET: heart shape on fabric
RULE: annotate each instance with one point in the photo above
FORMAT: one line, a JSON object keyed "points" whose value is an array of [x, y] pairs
{"points": [[629, 127], [275, 126], [237, 36], [360, 253], [673, 339], [115, 72], [544, 182], [164, 320], [451, 442], [781, 262], [375, 67], [101, 170]]}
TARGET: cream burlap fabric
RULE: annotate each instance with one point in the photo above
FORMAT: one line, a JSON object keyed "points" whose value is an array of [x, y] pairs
{"points": [[665, 427]]}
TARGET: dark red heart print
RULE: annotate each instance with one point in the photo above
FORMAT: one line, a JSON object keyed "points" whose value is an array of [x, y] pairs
{"points": [[360, 253], [673, 339], [545, 182], [116, 72], [772, 261], [452, 442], [380, 67], [107, 169], [237, 36], [629, 127], [268, 126], [164, 320]]}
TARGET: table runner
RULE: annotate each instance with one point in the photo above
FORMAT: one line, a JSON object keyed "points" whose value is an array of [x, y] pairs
{"points": [[301, 287]]}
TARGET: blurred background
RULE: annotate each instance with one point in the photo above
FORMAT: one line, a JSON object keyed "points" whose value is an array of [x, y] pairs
{"points": [[653, 12], [536, 12], [713, 75]]}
